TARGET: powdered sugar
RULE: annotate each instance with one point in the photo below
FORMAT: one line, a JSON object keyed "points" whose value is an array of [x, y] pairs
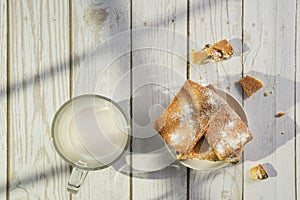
{"points": [[234, 143], [229, 124], [187, 112], [213, 99], [223, 134], [176, 138], [212, 103], [220, 148], [185, 115], [187, 109], [187, 126], [243, 137]]}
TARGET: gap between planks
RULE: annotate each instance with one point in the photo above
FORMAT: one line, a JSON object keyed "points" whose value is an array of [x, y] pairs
{"points": [[7, 99], [188, 77]]}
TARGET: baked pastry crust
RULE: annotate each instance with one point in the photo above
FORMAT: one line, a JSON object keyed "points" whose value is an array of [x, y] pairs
{"points": [[250, 85], [197, 111], [258, 172], [227, 134], [217, 52], [186, 118]]}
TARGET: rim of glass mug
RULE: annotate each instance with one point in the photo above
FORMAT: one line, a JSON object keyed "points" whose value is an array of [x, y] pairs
{"points": [[59, 112]]}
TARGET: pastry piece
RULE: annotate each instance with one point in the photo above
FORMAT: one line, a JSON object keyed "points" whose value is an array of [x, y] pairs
{"points": [[227, 134], [258, 173], [186, 118], [219, 51], [199, 57], [201, 151], [250, 85], [280, 114]]}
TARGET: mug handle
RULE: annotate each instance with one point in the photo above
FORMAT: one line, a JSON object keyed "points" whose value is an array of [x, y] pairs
{"points": [[76, 179]]}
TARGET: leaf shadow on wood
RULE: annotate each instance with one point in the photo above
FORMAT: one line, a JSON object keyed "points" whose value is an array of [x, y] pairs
{"points": [[269, 133], [59, 69], [41, 76], [45, 176]]}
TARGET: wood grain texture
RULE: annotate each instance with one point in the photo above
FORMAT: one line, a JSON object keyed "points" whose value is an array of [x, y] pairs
{"points": [[210, 22], [157, 74], [297, 103], [3, 98], [41, 39], [39, 84], [95, 25], [270, 35]]}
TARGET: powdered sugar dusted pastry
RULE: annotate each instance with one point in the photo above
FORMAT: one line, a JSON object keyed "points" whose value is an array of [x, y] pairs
{"points": [[201, 151], [227, 134], [186, 118]]}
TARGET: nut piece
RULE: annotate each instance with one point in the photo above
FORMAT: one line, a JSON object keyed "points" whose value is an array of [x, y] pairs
{"points": [[258, 173], [280, 114]]}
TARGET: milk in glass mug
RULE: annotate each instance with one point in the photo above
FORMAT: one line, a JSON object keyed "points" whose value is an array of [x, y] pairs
{"points": [[89, 132]]}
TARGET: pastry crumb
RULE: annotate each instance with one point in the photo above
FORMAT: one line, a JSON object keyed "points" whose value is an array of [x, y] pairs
{"points": [[266, 94], [217, 52], [280, 114], [282, 132], [228, 87], [258, 173], [250, 85]]}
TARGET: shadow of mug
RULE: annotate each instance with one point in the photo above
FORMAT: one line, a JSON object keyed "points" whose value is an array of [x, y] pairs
{"points": [[150, 96]]}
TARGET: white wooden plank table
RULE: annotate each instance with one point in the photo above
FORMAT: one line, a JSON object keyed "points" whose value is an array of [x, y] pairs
{"points": [[44, 46]]}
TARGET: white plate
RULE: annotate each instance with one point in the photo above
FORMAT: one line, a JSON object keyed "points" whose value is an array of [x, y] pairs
{"points": [[213, 165]]}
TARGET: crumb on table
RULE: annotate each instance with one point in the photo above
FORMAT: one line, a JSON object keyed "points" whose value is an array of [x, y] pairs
{"points": [[250, 85], [258, 173], [280, 114]]}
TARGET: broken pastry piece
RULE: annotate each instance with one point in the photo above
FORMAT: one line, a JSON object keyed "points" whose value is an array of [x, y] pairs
{"points": [[280, 114], [227, 134], [258, 173], [217, 52], [187, 117], [250, 85]]}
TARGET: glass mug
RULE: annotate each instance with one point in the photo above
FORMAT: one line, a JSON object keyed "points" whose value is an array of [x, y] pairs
{"points": [[89, 132]]}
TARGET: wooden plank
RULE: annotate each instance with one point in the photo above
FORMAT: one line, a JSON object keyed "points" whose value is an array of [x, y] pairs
{"points": [[101, 60], [297, 103], [271, 58], [39, 84], [3, 98], [211, 21], [157, 74]]}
